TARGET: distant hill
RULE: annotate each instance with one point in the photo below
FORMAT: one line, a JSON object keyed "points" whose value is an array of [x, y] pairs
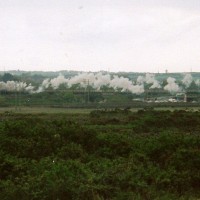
{"points": [[130, 75]]}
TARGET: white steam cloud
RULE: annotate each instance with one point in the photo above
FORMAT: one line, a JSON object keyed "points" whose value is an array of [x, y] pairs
{"points": [[172, 86], [12, 86], [98, 80], [197, 82], [149, 79], [187, 80]]}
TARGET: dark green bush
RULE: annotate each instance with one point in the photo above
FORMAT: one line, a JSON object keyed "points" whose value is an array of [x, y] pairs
{"points": [[115, 155]]}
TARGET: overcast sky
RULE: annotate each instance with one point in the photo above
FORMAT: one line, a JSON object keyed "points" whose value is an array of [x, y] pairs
{"points": [[93, 35]]}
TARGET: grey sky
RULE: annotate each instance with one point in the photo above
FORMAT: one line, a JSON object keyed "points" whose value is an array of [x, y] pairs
{"points": [[93, 35]]}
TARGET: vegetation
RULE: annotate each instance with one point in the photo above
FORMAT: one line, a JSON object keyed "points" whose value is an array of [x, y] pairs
{"points": [[107, 154], [15, 90]]}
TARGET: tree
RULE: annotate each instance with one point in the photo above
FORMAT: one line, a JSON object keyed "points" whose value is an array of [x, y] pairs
{"points": [[8, 77]]}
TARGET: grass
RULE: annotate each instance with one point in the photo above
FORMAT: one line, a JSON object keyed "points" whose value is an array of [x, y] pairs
{"points": [[51, 110], [47, 110]]}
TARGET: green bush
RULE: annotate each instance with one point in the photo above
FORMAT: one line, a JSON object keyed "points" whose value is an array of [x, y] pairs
{"points": [[115, 155]]}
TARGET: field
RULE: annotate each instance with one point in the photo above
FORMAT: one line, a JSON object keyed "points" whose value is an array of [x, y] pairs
{"points": [[46, 110], [99, 154]]}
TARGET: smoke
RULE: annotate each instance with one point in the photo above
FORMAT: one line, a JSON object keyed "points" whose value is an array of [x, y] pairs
{"points": [[187, 80], [172, 86], [30, 88], [148, 79], [156, 84], [97, 81], [140, 80], [125, 85], [12, 86], [83, 79], [197, 82], [45, 84], [102, 80]]}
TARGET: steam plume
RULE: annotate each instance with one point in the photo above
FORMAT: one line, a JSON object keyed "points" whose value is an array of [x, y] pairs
{"points": [[187, 80], [12, 86], [98, 81], [172, 86]]}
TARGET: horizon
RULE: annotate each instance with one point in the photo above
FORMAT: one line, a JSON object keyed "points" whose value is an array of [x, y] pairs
{"points": [[82, 71]]}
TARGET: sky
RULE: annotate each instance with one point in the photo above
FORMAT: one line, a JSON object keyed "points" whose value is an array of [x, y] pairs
{"points": [[95, 35]]}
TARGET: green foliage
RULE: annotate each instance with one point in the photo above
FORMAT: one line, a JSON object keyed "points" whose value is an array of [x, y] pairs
{"points": [[113, 154], [8, 77]]}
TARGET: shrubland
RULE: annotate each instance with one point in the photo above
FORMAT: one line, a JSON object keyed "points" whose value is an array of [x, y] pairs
{"points": [[108, 154]]}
